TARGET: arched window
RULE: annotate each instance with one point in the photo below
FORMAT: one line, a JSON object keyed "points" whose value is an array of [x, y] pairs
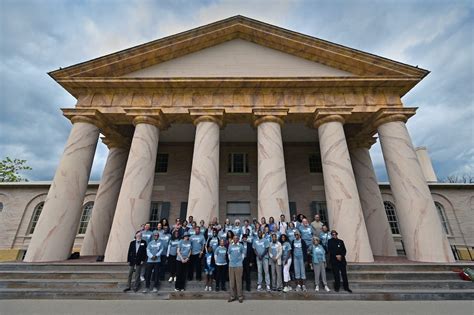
{"points": [[392, 217], [86, 215], [443, 218], [35, 218]]}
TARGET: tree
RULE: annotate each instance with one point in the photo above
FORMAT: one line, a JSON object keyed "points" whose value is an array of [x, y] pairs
{"points": [[460, 178], [9, 170]]}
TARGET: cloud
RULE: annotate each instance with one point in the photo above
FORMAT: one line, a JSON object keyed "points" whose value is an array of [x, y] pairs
{"points": [[39, 36]]}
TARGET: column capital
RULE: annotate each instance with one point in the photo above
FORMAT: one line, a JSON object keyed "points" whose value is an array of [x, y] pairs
{"points": [[262, 115], [83, 119], [215, 115], [361, 142], [114, 142], [386, 115], [325, 115], [150, 116]]}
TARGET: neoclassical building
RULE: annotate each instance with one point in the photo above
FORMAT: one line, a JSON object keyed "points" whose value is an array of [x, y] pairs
{"points": [[241, 119]]}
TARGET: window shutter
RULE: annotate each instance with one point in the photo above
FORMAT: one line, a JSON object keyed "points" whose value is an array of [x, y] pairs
{"points": [[292, 209], [314, 208], [183, 210], [165, 210]]}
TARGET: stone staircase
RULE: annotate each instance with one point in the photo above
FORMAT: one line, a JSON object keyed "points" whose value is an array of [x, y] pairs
{"points": [[376, 281]]}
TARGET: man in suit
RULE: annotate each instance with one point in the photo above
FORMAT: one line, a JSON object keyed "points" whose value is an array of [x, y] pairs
{"points": [[248, 259], [136, 258], [337, 254]]}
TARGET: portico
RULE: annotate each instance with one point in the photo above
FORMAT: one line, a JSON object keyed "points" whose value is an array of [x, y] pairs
{"points": [[246, 76]]}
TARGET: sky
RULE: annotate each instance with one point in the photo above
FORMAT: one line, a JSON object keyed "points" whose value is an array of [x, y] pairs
{"points": [[40, 36]]}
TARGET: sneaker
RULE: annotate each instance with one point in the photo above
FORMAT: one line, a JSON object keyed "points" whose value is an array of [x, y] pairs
{"points": [[142, 278], [290, 288], [241, 299], [145, 291], [154, 290], [348, 290], [205, 289], [316, 288], [303, 287], [298, 288], [231, 300], [170, 279], [176, 290], [285, 289], [326, 288], [268, 288], [259, 288]]}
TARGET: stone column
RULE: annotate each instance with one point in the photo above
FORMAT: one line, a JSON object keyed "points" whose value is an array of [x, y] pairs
{"points": [[272, 188], [100, 223], [57, 227], [423, 236], [380, 234], [203, 200], [133, 206], [342, 197]]}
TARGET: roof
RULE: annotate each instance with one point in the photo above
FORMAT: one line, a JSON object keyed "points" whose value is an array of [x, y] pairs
{"points": [[109, 69]]}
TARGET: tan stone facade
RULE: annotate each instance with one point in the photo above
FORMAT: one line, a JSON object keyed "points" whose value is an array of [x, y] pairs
{"points": [[239, 86]]}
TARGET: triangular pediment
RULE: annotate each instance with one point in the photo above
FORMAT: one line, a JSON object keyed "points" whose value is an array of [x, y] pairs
{"points": [[238, 58]]}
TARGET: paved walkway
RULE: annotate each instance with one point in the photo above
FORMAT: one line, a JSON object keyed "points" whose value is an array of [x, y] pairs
{"points": [[203, 307]]}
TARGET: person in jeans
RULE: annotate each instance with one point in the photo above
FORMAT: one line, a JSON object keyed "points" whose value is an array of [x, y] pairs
{"points": [[172, 253], [198, 243], [300, 252], [260, 247], [275, 252], [209, 267], [220, 258], [153, 251], [318, 257], [182, 259], [286, 261], [236, 257], [135, 258]]}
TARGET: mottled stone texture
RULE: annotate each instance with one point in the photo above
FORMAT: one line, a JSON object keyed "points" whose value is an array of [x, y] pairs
{"points": [[133, 206], [420, 226], [380, 235], [100, 222], [342, 197], [272, 189], [203, 200], [57, 226]]}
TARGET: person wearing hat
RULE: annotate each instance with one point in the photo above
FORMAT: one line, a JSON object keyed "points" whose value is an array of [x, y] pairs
{"points": [[182, 260], [153, 252], [337, 255]]}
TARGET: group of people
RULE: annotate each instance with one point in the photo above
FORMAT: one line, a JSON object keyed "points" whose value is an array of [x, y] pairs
{"points": [[280, 250]]}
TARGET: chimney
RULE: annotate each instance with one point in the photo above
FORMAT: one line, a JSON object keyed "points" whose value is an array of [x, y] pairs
{"points": [[425, 163]]}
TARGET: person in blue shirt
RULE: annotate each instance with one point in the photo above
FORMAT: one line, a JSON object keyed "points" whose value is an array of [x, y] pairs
{"points": [[198, 243], [220, 257], [172, 253], [318, 257], [209, 267], [266, 234], [236, 257], [237, 229], [290, 231], [324, 237], [286, 262], [227, 226], [271, 224], [183, 254], [260, 247], [153, 252], [306, 232], [222, 234], [147, 236], [299, 250], [213, 240], [164, 239]]}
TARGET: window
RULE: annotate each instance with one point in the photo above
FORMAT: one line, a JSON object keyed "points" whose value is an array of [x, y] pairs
{"points": [[238, 210], [85, 217], [443, 218], [391, 217], [238, 163], [35, 218], [158, 211], [161, 163], [319, 207], [315, 165]]}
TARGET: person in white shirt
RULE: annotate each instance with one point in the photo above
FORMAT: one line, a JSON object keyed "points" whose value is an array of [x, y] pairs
{"points": [[282, 225], [275, 252]]}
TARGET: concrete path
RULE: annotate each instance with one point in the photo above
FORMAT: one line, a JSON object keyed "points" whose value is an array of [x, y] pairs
{"points": [[207, 307]]}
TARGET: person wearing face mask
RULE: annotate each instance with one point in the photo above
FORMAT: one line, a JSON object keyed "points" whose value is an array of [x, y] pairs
{"points": [[153, 251], [260, 247], [236, 256], [275, 253], [299, 250]]}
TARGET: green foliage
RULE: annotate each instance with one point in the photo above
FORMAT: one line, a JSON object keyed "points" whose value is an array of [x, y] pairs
{"points": [[9, 170]]}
